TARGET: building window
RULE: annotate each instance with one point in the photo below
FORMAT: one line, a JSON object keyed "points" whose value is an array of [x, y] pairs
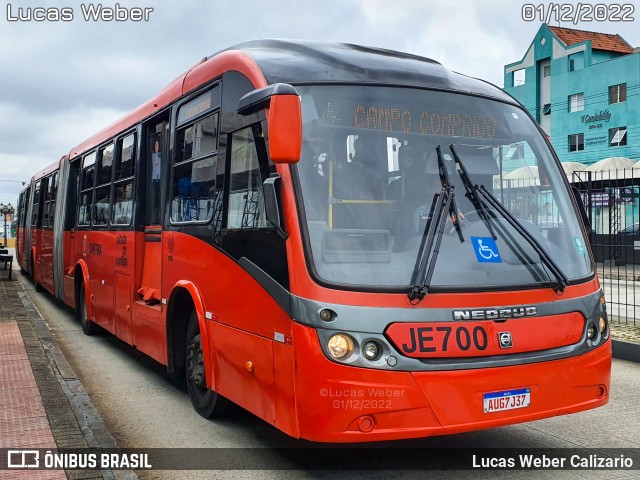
{"points": [[576, 142], [576, 61], [618, 136], [546, 71], [576, 102], [618, 93], [519, 77], [546, 109]]}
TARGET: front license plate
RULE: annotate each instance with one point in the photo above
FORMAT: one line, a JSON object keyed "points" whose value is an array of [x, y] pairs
{"points": [[506, 400]]}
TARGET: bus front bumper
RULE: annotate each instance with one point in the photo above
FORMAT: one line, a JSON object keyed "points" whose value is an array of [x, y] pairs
{"points": [[338, 403]]}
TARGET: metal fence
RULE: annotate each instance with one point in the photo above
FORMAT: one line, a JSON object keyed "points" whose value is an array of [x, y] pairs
{"points": [[612, 203]]}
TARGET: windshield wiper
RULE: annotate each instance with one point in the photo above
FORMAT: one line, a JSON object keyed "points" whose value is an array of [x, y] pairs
{"points": [[472, 194], [444, 180], [432, 234], [561, 278]]}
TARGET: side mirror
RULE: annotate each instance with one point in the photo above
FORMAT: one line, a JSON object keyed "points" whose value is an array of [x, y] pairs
{"points": [[270, 188], [284, 120]]}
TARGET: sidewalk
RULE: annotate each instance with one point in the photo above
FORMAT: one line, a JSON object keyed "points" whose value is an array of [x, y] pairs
{"points": [[42, 403]]}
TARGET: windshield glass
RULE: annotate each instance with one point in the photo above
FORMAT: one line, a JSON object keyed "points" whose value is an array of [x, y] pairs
{"points": [[369, 172]]}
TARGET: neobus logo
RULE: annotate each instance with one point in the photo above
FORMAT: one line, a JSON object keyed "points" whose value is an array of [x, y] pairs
{"points": [[495, 313]]}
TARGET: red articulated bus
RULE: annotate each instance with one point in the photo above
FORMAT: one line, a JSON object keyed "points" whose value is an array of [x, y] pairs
{"points": [[327, 235]]}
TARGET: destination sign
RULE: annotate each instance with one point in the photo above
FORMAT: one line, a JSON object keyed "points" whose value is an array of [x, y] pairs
{"points": [[199, 105], [425, 122]]}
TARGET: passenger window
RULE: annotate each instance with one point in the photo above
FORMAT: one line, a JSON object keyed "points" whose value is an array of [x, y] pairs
{"points": [[54, 193], [36, 204], [122, 211], [106, 161], [86, 187], [101, 210], [88, 168], [194, 176], [84, 216], [199, 139], [127, 147], [122, 203], [246, 201]]}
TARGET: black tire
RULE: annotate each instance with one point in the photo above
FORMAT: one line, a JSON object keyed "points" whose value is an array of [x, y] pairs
{"points": [[38, 288], [88, 327], [205, 401]]}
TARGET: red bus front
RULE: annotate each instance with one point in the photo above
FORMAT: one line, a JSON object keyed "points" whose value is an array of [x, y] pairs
{"points": [[441, 280]]}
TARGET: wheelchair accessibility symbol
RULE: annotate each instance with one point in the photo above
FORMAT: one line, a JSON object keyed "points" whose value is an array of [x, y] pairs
{"points": [[486, 250]]}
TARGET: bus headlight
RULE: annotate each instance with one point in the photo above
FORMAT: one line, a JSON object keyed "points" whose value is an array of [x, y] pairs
{"points": [[370, 350], [591, 331], [602, 324], [340, 346]]}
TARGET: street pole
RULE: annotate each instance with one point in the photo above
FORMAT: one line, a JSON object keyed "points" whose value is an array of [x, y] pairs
{"points": [[6, 210]]}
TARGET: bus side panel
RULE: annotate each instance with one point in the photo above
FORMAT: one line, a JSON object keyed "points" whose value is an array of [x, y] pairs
{"points": [[46, 264], [68, 263], [100, 257], [242, 321], [284, 366], [244, 370], [36, 253], [149, 338]]}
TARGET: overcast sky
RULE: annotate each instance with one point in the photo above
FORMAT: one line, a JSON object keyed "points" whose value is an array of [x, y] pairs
{"points": [[62, 81]]}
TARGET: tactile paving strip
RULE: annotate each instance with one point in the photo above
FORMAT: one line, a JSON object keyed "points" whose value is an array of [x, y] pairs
{"points": [[23, 420]]}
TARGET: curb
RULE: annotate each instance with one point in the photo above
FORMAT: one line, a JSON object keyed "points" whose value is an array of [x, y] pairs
{"points": [[75, 423], [625, 350]]}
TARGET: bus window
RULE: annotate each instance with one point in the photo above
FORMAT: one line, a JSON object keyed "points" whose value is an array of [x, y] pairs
{"points": [[194, 175], [121, 212], [106, 161], [86, 187], [199, 139], [54, 193], [246, 201], [103, 188], [36, 204], [125, 164], [46, 193]]}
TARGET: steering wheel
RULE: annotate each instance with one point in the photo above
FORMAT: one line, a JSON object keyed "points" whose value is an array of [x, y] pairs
{"points": [[472, 216]]}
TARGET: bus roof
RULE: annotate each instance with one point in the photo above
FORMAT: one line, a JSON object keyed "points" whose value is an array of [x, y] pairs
{"points": [[299, 62], [48, 169], [271, 61]]}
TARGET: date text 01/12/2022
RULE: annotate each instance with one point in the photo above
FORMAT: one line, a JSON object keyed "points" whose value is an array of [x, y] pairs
{"points": [[89, 13], [580, 12]]}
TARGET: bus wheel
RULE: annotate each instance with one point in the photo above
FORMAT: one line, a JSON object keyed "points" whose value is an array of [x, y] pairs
{"points": [[88, 327], [205, 401]]}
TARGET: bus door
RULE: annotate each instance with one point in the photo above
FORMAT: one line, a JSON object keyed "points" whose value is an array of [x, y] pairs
{"points": [[148, 323], [156, 153], [122, 222]]}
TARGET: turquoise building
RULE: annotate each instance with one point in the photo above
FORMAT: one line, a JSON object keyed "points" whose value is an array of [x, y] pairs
{"points": [[584, 90]]}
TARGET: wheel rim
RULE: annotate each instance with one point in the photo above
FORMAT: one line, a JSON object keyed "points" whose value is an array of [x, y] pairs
{"points": [[195, 365], [83, 309]]}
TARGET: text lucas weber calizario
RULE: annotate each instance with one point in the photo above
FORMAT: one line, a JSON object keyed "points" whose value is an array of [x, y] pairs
{"points": [[89, 13]]}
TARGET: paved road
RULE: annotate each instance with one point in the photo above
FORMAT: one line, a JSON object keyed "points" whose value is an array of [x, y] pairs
{"points": [[143, 409]]}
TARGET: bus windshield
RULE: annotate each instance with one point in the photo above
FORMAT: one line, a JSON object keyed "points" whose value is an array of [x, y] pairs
{"points": [[369, 172]]}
